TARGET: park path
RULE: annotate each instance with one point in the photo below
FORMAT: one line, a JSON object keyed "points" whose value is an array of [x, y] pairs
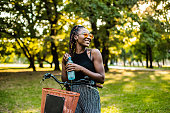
{"points": [[112, 67], [136, 68]]}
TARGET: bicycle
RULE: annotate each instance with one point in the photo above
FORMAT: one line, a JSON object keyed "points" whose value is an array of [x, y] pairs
{"points": [[62, 101]]}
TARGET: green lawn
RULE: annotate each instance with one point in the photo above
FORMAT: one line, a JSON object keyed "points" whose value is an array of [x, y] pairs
{"points": [[124, 91]]}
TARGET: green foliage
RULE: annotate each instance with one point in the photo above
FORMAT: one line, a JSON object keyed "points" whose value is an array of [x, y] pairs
{"points": [[31, 24], [148, 34]]}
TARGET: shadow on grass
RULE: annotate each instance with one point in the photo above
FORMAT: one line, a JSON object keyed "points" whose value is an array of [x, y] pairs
{"points": [[137, 91]]}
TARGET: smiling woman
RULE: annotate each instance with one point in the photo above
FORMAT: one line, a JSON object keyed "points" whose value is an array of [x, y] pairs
{"points": [[87, 65]]}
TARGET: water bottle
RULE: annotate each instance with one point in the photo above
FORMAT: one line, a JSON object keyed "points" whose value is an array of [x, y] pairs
{"points": [[71, 74]]}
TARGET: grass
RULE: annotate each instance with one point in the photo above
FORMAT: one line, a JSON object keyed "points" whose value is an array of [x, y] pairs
{"points": [[136, 92], [124, 91]]}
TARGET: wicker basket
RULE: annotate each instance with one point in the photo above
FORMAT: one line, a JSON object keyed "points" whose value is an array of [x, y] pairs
{"points": [[71, 99]]}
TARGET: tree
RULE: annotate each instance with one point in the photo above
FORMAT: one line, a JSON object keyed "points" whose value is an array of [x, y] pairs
{"points": [[20, 23], [154, 29], [149, 37]]}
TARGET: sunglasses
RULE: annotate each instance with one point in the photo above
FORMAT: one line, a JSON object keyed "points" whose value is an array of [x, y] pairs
{"points": [[87, 34]]}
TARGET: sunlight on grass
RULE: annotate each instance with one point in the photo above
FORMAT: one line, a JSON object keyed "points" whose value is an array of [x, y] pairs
{"points": [[110, 109], [166, 77], [148, 98], [106, 98], [109, 82], [23, 68], [152, 77], [124, 76], [163, 74], [129, 74], [129, 87], [127, 79], [30, 111]]}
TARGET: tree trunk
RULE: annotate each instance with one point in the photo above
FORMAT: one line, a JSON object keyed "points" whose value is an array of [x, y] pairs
{"points": [[163, 61], [40, 60], [124, 60], [26, 53], [124, 57], [51, 65], [55, 56], [96, 38], [112, 62], [105, 54], [146, 56], [32, 64], [138, 63], [158, 64], [41, 64], [130, 63], [150, 56], [141, 62], [116, 61]]}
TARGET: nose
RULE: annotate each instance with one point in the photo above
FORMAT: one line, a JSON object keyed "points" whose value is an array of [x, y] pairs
{"points": [[88, 38]]}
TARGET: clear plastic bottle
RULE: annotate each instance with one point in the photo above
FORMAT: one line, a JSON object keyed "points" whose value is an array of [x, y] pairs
{"points": [[71, 74]]}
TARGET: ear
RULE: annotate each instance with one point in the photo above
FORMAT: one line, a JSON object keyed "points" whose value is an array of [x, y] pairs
{"points": [[76, 37]]}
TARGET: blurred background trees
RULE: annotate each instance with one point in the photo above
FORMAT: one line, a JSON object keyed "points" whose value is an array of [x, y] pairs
{"points": [[132, 32]]}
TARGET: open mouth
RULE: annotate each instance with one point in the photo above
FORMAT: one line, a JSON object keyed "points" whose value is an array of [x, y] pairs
{"points": [[87, 40]]}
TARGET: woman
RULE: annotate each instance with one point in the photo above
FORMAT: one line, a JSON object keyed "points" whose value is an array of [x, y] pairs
{"points": [[87, 64]]}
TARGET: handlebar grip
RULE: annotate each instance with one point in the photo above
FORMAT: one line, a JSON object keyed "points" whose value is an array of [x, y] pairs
{"points": [[47, 75]]}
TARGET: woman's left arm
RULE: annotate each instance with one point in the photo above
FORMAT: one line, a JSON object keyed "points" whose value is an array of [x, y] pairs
{"points": [[99, 76]]}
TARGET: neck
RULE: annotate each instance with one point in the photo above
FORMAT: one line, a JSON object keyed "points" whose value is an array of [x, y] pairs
{"points": [[80, 49]]}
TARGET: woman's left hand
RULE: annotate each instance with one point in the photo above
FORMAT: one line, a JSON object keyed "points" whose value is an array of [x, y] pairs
{"points": [[73, 67]]}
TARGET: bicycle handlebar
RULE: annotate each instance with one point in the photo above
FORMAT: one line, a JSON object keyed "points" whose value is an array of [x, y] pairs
{"points": [[66, 84], [48, 75]]}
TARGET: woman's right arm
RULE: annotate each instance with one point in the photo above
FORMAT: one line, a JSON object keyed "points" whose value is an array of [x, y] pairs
{"points": [[64, 73]]}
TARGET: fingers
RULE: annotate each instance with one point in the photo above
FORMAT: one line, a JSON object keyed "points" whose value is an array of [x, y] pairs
{"points": [[73, 67], [69, 67], [99, 85], [65, 57]]}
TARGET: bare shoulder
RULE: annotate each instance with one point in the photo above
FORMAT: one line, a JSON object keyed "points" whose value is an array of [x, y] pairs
{"points": [[95, 52], [96, 55]]}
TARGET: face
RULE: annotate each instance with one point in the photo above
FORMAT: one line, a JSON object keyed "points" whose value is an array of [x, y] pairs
{"points": [[84, 37]]}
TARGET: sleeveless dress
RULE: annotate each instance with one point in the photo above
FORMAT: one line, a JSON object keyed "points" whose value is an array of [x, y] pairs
{"points": [[89, 100]]}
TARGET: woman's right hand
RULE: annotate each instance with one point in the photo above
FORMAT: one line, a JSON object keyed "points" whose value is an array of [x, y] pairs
{"points": [[64, 61], [65, 58]]}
